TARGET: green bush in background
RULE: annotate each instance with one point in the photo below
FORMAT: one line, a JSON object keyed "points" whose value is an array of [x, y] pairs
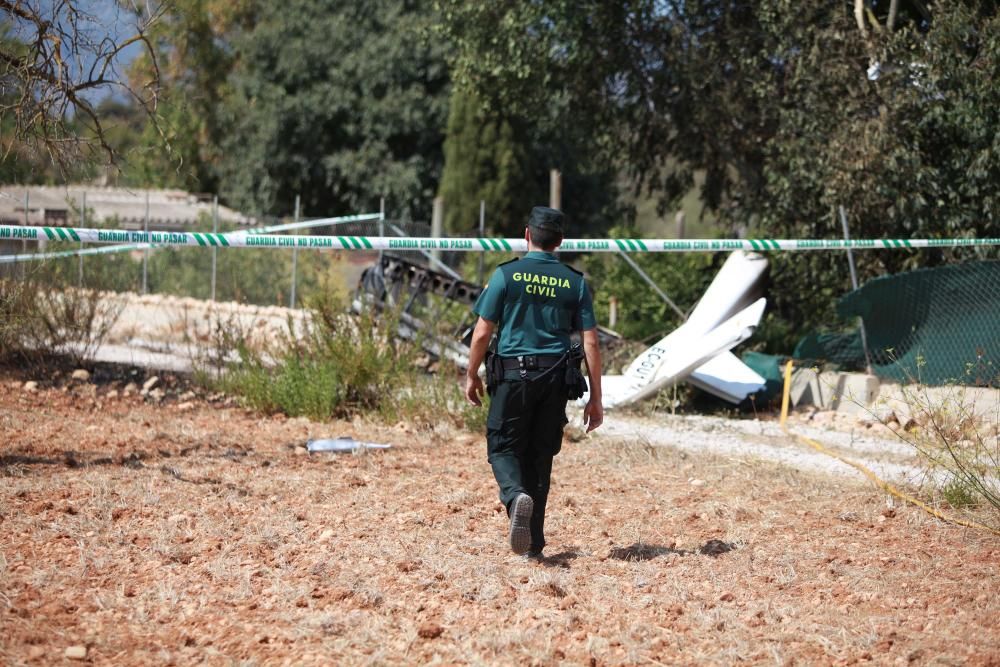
{"points": [[642, 314]]}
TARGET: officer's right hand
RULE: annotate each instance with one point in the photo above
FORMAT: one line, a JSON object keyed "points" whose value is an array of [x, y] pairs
{"points": [[473, 389]]}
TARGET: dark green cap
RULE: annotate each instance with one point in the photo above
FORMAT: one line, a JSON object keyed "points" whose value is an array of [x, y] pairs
{"points": [[544, 217]]}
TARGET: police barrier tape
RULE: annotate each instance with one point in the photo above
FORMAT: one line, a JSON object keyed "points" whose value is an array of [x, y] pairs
{"points": [[320, 222], [247, 240]]}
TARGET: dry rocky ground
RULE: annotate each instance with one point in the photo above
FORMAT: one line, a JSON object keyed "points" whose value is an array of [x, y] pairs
{"points": [[143, 529]]}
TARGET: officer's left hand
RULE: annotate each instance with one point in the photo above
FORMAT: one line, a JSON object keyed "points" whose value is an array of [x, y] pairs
{"points": [[593, 414], [473, 389]]}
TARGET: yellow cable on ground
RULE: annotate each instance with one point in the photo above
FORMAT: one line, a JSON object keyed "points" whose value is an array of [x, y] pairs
{"points": [[886, 486]]}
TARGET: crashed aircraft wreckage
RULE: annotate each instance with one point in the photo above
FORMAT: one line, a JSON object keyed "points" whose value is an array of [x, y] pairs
{"points": [[697, 352]]}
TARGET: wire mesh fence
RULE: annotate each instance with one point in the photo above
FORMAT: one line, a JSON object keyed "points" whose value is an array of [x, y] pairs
{"points": [[933, 326], [245, 275]]}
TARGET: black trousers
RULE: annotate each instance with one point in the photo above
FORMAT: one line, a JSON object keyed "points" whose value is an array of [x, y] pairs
{"points": [[524, 431]]}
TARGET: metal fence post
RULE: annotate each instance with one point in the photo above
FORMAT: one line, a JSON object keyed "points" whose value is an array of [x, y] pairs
{"points": [[854, 284], [83, 223], [437, 226], [295, 252], [482, 233], [145, 251], [215, 250], [381, 226], [24, 246]]}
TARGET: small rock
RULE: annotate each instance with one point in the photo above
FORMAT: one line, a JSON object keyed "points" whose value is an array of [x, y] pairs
{"points": [[715, 548], [301, 451], [75, 652], [697, 482], [727, 597], [31, 386], [823, 417], [186, 406], [326, 535], [36, 652], [157, 394], [130, 389], [148, 385], [81, 374], [187, 396], [430, 630]]}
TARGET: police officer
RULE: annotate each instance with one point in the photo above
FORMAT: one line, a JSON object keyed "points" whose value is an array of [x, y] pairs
{"points": [[535, 303]]}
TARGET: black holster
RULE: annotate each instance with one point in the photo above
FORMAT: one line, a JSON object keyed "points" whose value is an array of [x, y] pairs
{"points": [[576, 383], [494, 371]]}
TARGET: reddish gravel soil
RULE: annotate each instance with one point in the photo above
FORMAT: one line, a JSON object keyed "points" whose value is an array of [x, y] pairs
{"points": [[174, 532]]}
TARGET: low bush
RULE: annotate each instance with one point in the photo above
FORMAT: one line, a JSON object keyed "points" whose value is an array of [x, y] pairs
{"points": [[40, 321], [439, 397], [954, 432], [16, 308], [333, 365]]}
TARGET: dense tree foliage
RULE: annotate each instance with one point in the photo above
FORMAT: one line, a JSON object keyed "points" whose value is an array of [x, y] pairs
{"points": [[342, 102], [769, 99], [486, 159], [791, 110]]}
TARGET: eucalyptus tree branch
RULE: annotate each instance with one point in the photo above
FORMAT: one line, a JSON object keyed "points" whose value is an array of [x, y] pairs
{"points": [[54, 59]]}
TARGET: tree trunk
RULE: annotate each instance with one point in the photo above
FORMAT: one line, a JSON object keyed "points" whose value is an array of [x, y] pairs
{"points": [[859, 17]]}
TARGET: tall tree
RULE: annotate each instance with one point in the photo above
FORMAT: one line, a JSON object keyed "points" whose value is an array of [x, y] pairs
{"points": [[505, 161], [194, 54], [342, 102], [486, 159]]}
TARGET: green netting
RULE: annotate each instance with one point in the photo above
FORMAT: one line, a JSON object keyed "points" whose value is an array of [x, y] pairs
{"points": [[936, 326], [769, 367]]}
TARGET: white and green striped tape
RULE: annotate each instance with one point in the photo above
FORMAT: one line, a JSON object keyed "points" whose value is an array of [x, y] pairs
{"points": [[257, 240], [320, 222]]}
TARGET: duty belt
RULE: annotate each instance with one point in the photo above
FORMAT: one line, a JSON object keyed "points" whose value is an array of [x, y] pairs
{"points": [[531, 362]]}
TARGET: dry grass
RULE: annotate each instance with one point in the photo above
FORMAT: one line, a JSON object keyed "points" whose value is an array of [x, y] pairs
{"points": [[152, 535]]}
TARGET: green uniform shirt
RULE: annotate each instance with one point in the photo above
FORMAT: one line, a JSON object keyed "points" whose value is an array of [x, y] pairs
{"points": [[536, 302]]}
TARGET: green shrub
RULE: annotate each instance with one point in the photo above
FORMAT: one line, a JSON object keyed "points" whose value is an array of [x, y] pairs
{"points": [[958, 494], [297, 386], [334, 365]]}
